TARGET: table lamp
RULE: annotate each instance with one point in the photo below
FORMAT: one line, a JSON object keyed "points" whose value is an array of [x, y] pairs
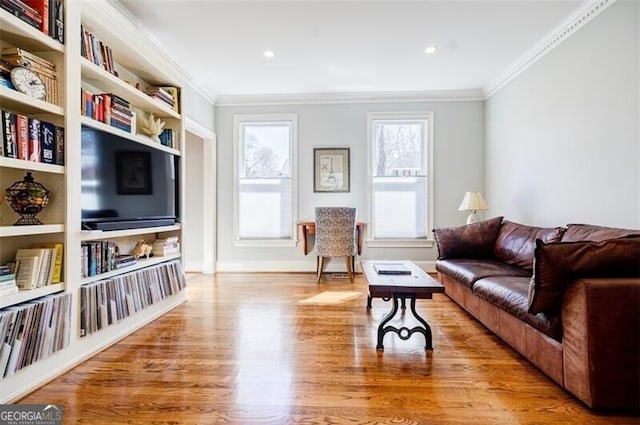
{"points": [[473, 201]]}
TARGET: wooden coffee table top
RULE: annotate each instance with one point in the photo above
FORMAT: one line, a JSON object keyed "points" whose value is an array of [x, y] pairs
{"points": [[418, 282]]}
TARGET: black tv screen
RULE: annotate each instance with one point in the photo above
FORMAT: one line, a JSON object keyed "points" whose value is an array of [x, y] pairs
{"points": [[126, 184]]}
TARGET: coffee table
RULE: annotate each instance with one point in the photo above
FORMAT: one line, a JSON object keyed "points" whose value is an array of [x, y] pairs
{"points": [[417, 285]]}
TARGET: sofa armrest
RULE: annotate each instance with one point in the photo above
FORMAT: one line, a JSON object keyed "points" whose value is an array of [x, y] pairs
{"points": [[601, 341], [470, 241]]}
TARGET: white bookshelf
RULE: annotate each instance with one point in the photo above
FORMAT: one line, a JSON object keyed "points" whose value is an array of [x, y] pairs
{"points": [[139, 58]]}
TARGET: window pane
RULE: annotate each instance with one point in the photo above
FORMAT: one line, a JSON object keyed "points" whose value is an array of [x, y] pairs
{"points": [[265, 150], [400, 208], [265, 209], [398, 148]]}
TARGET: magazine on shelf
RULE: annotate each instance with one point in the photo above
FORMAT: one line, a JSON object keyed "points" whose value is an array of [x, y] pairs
{"points": [[391, 268]]}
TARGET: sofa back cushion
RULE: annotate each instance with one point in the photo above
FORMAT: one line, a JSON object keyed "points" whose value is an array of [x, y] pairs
{"points": [[470, 241], [590, 232], [515, 242], [557, 264]]}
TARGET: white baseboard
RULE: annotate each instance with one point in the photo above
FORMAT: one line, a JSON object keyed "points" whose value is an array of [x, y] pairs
{"points": [[336, 266]]}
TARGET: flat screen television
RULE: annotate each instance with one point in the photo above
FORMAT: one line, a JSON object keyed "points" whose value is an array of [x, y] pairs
{"points": [[126, 185]]}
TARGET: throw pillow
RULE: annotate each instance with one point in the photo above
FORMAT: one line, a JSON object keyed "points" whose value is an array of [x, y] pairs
{"points": [[590, 232], [557, 264], [515, 242], [470, 241]]}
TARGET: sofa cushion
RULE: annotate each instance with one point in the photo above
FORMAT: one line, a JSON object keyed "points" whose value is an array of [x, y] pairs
{"points": [[467, 271], [471, 241], [515, 242], [509, 293], [557, 264], [589, 232]]}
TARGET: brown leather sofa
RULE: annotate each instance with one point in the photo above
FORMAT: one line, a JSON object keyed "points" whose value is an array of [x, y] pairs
{"points": [[566, 298]]}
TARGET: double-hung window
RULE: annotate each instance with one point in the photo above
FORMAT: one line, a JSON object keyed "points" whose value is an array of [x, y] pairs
{"points": [[400, 178], [264, 195]]}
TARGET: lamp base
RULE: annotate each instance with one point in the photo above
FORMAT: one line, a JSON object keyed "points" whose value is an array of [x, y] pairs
{"points": [[472, 218]]}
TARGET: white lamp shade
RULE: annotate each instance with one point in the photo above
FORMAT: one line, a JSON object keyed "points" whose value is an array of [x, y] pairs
{"points": [[473, 201]]}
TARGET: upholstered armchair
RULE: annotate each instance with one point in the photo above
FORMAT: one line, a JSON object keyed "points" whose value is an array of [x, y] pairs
{"points": [[335, 236]]}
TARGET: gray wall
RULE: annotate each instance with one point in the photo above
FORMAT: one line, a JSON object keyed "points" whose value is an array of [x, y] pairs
{"points": [[194, 214], [458, 163], [562, 139]]}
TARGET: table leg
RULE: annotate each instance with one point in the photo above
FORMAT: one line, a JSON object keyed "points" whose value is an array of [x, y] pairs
{"points": [[381, 328], [404, 333]]}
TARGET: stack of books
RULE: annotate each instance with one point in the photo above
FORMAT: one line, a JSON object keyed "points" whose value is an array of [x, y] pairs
{"points": [[125, 261], [168, 138], [31, 139], [167, 246], [7, 281], [44, 69], [98, 257], [168, 95], [109, 109]]}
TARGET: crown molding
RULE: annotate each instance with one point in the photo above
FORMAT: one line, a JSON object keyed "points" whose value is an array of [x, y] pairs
{"points": [[347, 98], [572, 23]]}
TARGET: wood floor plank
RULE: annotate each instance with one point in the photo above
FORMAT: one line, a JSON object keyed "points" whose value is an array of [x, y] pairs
{"points": [[243, 350]]}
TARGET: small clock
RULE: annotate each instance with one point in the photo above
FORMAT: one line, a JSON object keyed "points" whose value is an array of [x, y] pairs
{"points": [[25, 81]]}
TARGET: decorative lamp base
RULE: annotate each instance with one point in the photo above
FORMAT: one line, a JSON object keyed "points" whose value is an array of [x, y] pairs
{"points": [[27, 220], [472, 218]]}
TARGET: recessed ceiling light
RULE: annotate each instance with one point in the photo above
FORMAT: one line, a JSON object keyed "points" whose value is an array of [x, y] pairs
{"points": [[268, 54], [430, 50]]}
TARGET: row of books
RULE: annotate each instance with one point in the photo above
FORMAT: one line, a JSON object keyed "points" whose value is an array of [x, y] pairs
{"points": [[98, 257], [7, 281], [96, 51], [44, 15], [168, 95], [38, 266], [107, 302], [33, 331], [109, 109], [15, 56], [31, 139]]}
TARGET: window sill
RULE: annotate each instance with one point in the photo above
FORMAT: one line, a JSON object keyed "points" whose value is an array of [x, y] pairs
{"points": [[400, 243]]}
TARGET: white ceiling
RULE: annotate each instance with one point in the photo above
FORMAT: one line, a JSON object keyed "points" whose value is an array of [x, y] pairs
{"points": [[346, 46]]}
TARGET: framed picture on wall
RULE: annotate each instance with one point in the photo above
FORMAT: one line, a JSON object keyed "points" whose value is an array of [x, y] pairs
{"points": [[331, 170], [133, 173]]}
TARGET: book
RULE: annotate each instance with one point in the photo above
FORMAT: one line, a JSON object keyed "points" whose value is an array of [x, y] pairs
{"points": [[22, 133], [59, 155], [391, 268], [40, 265], [34, 136], [27, 276], [9, 134], [56, 262], [47, 143]]}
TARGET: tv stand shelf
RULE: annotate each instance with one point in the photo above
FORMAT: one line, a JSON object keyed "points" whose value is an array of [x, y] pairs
{"points": [[143, 140], [89, 235]]}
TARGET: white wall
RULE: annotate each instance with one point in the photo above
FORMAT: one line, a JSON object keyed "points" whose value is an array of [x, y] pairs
{"points": [[198, 108], [562, 139], [459, 167], [194, 214]]}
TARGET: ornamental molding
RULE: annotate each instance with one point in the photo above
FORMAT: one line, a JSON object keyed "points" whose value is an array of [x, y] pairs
{"points": [[572, 23], [350, 98]]}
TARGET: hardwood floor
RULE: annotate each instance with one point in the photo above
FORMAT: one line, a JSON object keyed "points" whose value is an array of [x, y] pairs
{"points": [[243, 350]]}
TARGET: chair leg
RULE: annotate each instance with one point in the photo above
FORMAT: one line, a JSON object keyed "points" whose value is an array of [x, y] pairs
{"points": [[319, 266], [349, 261]]}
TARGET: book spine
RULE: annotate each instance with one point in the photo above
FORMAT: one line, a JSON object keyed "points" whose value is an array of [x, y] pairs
{"points": [[48, 147], [9, 134], [22, 132], [59, 145]]}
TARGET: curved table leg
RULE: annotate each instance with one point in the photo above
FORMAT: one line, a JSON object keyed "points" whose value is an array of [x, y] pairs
{"points": [[404, 333], [381, 328]]}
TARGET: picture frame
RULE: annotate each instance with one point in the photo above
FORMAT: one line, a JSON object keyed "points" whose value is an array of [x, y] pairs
{"points": [[331, 170], [133, 173]]}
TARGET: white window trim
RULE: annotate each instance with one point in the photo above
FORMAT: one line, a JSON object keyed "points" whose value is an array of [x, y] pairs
{"points": [[400, 243], [293, 159]]}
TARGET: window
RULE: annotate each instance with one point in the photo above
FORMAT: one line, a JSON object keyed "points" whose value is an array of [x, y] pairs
{"points": [[265, 177], [400, 183]]}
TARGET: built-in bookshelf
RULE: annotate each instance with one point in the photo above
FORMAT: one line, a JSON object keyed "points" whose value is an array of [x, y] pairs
{"points": [[136, 67]]}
